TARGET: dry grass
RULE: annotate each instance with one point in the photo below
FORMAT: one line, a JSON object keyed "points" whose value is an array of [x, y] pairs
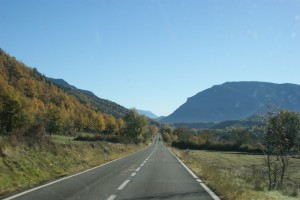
{"points": [[22, 167], [239, 176]]}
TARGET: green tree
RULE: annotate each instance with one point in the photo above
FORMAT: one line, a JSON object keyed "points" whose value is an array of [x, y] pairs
{"points": [[239, 136], [12, 113], [166, 132], [54, 121], [166, 137], [165, 128], [136, 125], [281, 142], [184, 134]]}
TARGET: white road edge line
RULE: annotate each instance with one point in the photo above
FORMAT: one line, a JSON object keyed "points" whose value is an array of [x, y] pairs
{"points": [[62, 179], [112, 197], [123, 185], [211, 193], [138, 169], [199, 180]]}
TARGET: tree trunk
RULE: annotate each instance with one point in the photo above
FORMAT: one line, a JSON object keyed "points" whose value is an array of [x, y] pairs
{"points": [[284, 162], [275, 173], [269, 171]]}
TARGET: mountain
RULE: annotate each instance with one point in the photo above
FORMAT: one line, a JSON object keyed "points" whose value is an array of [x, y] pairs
{"points": [[160, 118], [236, 100], [89, 98], [147, 114]]}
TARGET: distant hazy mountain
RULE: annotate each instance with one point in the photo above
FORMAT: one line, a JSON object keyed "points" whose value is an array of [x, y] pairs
{"points": [[160, 118], [88, 97], [147, 114], [236, 100]]}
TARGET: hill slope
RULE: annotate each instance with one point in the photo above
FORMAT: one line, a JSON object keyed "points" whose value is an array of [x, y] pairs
{"points": [[88, 97], [28, 99], [236, 100]]}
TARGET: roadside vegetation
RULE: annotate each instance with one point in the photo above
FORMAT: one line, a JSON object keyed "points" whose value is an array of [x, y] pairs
{"points": [[22, 166], [32, 156], [244, 162], [234, 175]]}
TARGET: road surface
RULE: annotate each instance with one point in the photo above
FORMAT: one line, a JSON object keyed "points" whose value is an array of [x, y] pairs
{"points": [[153, 173]]}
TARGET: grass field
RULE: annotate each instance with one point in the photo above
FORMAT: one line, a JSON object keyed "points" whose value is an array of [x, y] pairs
{"points": [[240, 176], [62, 139], [23, 167]]}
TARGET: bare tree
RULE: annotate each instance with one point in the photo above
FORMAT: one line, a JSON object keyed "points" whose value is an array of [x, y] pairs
{"points": [[281, 144]]}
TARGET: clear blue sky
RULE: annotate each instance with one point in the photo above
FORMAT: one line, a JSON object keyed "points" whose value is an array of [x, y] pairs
{"points": [[154, 54]]}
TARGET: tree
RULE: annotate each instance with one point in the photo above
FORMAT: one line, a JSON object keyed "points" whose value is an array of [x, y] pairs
{"points": [[166, 133], [111, 124], [12, 112], [206, 135], [239, 136], [153, 130], [165, 128], [281, 142], [166, 137], [135, 124], [121, 124], [100, 122], [54, 121], [184, 134]]}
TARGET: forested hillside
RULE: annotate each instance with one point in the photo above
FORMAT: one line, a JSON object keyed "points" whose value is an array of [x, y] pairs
{"points": [[29, 101], [87, 97]]}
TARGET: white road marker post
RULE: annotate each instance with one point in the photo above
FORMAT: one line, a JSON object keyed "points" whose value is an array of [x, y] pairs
{"points": [[105, 153]]}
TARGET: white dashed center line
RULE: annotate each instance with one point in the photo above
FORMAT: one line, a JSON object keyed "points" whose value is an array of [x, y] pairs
{"points": [[133, 174], [138, 169], [112, 197], [123, 185]]}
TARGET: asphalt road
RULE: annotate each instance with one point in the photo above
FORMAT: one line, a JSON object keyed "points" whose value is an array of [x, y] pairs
{"points": [[153, 173]]}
